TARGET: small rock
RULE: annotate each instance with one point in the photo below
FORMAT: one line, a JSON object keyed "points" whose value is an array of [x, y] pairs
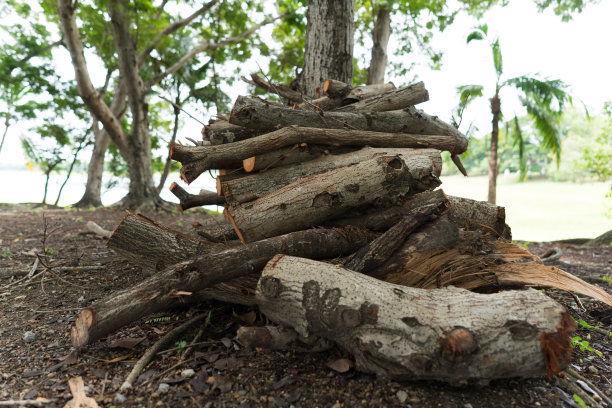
{"points": [[163, 388], [537, 404], [467, 405], [402, 396], [120, 398], [188, 373], [29, 337], [87, 389], [593, 370], [81, 298]]}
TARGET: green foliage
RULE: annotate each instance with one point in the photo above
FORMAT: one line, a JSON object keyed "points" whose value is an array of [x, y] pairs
{"points": [[180, 346], [564, 8], [583, 345], [6, 253], [596, 156]]}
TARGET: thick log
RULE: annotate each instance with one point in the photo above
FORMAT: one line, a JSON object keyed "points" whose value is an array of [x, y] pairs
{"points": [[188, 200], [339, 94], [257, 185], [216, 229], [297, 153], [397, 332], [255, 113], [310, 201], [391, 100], [221, 131], [472, 214], [197, 159], [173, 286]]}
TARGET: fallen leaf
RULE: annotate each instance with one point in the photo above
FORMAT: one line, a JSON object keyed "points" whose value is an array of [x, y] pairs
{"points": [[126, 342], [342, 365], [70, 358], [117, 359]]}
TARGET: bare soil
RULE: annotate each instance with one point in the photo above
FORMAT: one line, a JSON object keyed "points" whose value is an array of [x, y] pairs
{"points": [[225, 374]]}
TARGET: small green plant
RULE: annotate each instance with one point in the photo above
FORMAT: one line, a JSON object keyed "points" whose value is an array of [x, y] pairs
{"points": [[158, 320], [208, 321], [605, 278], [6, 252], [524, 245], [583, 345], [180, 346], [585, 325], [51, 251], [580, 402]]}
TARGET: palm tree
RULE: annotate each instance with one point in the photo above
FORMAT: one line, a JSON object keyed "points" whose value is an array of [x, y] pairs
{"points": [[544, 100]]}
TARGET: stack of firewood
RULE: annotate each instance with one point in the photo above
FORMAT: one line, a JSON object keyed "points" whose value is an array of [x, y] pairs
{"points": [[350, 179]]}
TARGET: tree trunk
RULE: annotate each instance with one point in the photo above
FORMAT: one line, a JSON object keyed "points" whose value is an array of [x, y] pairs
{"points": [[257, 185], [380, 40], [329, 44], [449, 334], [93, 187], [310, 201], [173, 286], [495, 110]]}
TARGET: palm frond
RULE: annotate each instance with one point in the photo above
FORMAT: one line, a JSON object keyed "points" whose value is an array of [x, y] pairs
{"points": [[497, 58], [545, 91], [478, 33], [467, 93], [546, 123]]}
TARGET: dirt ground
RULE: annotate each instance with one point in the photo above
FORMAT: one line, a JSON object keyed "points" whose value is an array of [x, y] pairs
{"points": [[37, 359]]}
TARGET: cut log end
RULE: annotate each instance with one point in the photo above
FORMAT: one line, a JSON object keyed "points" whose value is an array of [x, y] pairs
{"points": [[249, 164], [79, 332]]}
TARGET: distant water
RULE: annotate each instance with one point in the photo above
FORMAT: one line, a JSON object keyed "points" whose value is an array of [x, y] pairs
{"points": [[24, 186]]}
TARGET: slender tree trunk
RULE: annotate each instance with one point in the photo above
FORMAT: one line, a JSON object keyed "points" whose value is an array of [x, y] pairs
{"points": [[168, 164], [74, 159], [495, 110], [93, 187], [380, 40], [329, 44], [6, 128]]}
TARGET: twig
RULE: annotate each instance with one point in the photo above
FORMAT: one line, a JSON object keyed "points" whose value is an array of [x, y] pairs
{"points": [[150, 353], [551, 255], [25, 403], [98, 230], [8, 272], [573, 388], [183, 110], [575, 374]]}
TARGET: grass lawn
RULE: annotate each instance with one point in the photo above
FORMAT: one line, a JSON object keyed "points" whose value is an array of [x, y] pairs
{"points": [[542, 210]]}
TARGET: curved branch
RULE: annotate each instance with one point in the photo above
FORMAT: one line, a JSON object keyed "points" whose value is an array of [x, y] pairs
{"points": [[87, 91], [205, 46]]}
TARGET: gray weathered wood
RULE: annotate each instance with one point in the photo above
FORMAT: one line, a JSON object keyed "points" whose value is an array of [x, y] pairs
{"points": [[312, 200], [286, 156], [221, 131], [449, 334], [188, 200], [254, 186], [391, 100], [255, 113], [197, 159]]}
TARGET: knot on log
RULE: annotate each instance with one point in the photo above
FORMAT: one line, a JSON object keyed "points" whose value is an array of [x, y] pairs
{"points": [[270, 287], [457, 344]]}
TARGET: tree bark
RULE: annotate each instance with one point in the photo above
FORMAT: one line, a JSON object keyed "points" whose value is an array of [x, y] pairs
{"points": [[450, 334], [380, 40], [216, 229], [173, 286], [198, 159], [221, 131], [93, 187], [339, 94], [310, 201], [286, 156], [495, 110], [328, 50], [391, 100], [187, 200], [254, 186]]}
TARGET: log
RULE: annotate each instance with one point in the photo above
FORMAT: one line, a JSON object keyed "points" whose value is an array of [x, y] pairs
{"points": [[297, 153], [391, 100], [310, 201], [254, 186], [281, 90], [255, 113], [216, 229], [472, 214], [173, 286], [339, 94], [397, 332], [221, 131], [188, 200], [198, 159]]}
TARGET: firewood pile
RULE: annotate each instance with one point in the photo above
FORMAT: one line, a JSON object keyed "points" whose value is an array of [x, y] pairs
{"points": [[333, 225]]}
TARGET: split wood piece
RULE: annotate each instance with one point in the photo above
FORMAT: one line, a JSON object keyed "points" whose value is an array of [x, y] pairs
{"points": [[339, 94], [254, 186], [221, 131], [310, 201], [280, 338], [391, 100], [297, 153], [393, 331], [172, 287], [188, 200], [472, 214], [255, 113], [198, 159], [378, 251], [153, 246]]}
